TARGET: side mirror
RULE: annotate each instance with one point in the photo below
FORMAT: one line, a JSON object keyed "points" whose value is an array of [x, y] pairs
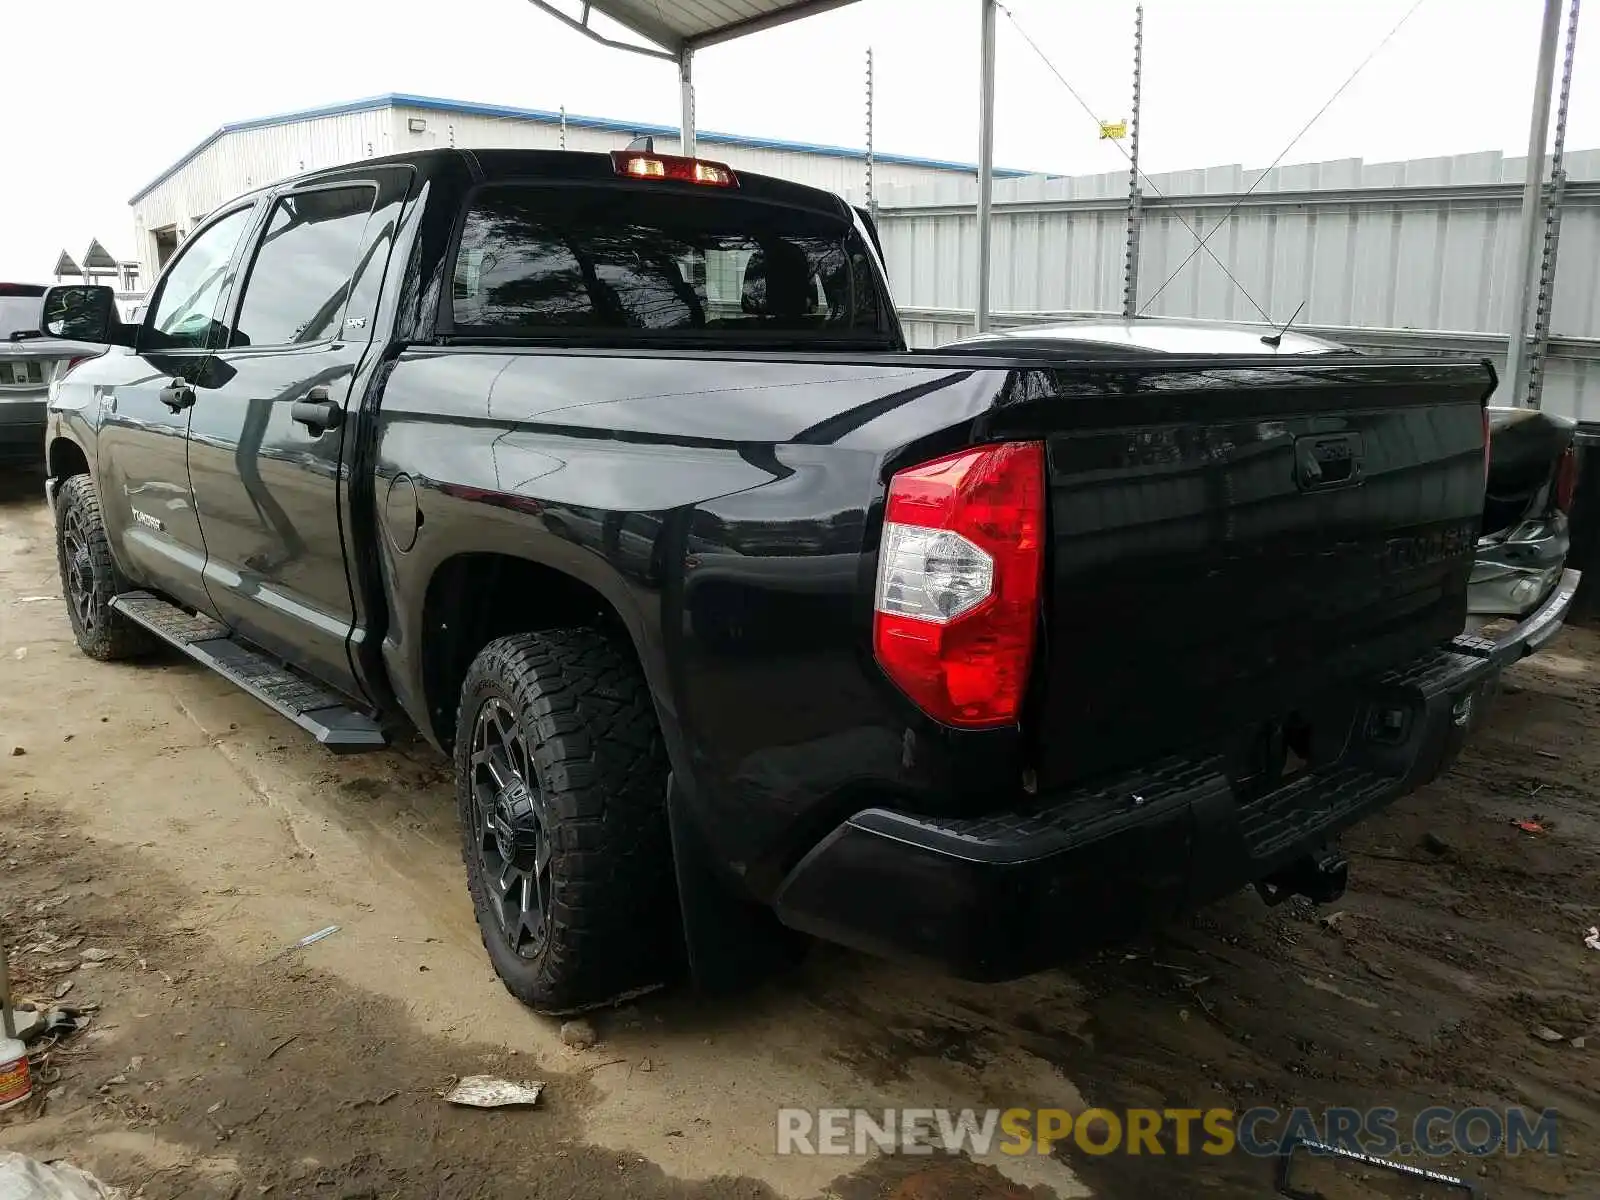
{"points": [[81, 313]]}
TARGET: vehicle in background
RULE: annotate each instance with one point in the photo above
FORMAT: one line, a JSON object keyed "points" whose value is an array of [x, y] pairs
{"points": [[1524, 541], [613, 475], [30, 359], [1532, 472]]}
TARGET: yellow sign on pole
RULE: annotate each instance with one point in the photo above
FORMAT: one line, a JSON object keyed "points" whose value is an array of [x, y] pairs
{"points": [[1114, 130]]}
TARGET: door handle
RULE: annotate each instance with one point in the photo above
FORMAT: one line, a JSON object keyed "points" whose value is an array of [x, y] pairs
{"points": [[177, 395], [317, 412]]}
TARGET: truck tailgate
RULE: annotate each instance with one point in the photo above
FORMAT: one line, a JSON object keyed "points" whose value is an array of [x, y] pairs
{"points": [[1226, 555]]}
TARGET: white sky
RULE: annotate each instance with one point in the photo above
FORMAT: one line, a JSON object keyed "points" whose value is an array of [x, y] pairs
{"points": [[101, 95]]}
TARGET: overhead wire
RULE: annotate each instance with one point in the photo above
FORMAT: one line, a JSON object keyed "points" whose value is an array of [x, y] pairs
{"points": [[1293, 142], [1150, 183], [1202, 241]]}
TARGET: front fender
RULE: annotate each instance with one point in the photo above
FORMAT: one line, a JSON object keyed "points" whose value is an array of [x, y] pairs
{"points": [[69, 440]]}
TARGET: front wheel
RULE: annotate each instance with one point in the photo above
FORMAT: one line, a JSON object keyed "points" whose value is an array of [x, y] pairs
{"points": [[561, 784], [89, 577]]}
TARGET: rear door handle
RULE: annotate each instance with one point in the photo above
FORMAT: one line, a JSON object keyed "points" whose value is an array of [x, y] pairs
{"points": [[317, 412], [177, 395]]}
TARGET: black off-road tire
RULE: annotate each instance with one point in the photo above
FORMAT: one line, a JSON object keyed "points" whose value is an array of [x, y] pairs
{"points": [[89, 577], [594, 747]]}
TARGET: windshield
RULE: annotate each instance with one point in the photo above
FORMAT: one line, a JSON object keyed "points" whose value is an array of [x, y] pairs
{"points": [[19, 312], [592, 263]]}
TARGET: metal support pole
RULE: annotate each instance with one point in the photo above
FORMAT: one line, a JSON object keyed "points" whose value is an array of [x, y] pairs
{"points": [[563, 126], [1538, 131], [1130, 258], [872, 198], [985, 159], [686, 88], [1544, 302]]}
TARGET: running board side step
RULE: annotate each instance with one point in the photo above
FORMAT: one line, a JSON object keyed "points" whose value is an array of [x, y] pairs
{"points": [[321, 713]]}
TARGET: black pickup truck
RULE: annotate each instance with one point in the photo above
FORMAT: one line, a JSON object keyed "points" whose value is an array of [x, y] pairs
{"points": [[613, 476]]}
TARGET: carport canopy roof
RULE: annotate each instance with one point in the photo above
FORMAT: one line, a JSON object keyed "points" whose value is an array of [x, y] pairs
{"points": [[679, 25]]}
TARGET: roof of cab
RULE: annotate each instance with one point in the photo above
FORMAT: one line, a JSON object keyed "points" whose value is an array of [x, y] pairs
{"points": [[505, 165]]}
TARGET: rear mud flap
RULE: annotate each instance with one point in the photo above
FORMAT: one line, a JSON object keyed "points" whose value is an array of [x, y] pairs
{"points": [[732, 943]]}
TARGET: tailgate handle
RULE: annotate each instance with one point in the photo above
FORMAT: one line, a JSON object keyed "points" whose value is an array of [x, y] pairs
{"points": [[1328, 460]]}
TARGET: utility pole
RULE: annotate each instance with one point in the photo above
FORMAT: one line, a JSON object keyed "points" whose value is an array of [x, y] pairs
{"points": [[1522, 289], [872, 198], [985, 159], [686, 99], [1130, 258], [1545, 300]]}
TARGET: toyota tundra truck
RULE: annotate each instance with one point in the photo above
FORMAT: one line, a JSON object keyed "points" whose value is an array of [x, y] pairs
{"points": [[612, 475]]}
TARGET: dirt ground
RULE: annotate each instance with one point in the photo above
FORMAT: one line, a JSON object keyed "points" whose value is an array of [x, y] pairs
{"points": [[155, 813]]}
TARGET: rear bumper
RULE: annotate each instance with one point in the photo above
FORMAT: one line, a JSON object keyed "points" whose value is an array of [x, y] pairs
{"points": [[1532, 632], [1007, 894]]}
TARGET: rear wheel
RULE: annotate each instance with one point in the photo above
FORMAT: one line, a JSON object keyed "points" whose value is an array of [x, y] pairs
{"points": [[561, 785], [89, 577]]}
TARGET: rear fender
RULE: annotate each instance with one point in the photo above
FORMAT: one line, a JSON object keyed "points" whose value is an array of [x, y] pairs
{"points": [[460, 519]]}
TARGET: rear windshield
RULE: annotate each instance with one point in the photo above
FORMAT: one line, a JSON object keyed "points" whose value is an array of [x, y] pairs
{"points": [[586, 263], [19, 309]]}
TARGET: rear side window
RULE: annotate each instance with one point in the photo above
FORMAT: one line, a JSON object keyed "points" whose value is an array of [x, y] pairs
{"points": [[553, 262], [297, 287]]}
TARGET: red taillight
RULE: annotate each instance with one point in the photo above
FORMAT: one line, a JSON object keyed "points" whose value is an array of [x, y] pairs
{"points": [[1566, 478], [637, 165], [72, 362], [959, 568]]}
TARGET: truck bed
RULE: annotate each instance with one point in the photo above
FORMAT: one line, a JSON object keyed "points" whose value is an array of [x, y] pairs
{"points": [[1196, 586]]}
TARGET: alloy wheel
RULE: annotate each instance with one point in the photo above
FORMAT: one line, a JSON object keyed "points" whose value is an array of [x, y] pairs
{"points": [[512, 828], [79, 568]]}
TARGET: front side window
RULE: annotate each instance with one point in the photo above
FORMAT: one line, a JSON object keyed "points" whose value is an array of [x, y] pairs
{"points": [[553, 262], [296, 290], [185, 316]]}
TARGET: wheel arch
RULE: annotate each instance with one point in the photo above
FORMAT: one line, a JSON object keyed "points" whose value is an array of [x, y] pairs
{"points": [[64, 458], [475, 596]]}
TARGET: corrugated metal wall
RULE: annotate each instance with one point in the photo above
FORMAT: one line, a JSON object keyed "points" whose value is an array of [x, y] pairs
{"points": [[1414, 254], [250, 158]]}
